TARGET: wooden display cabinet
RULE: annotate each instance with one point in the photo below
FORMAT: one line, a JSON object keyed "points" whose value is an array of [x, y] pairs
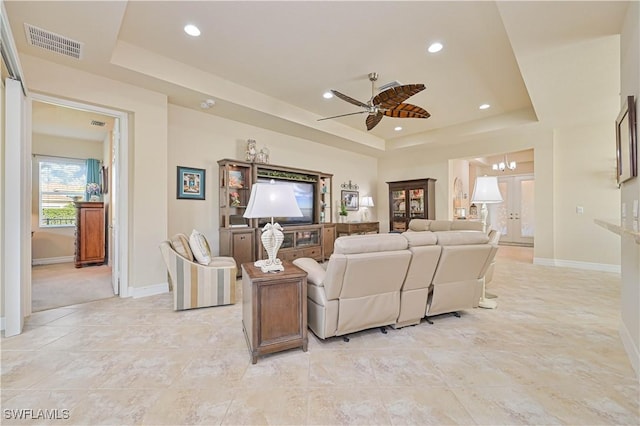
{"points": [[235, 189], [238, 243], [411, 199], [299, 241], [328, 239]]}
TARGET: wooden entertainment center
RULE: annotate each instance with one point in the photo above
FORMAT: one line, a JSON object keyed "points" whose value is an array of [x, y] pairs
{"points": [[240, 238]]}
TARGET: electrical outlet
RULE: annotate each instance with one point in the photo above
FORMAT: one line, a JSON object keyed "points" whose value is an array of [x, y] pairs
{"points": [[579, 210]]}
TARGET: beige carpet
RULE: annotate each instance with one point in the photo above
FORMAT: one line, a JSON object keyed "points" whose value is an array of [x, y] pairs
{"points": [[62, 284]]}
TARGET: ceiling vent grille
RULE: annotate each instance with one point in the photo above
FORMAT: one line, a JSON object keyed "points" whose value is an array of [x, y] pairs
{"points": [[53, 42], [98, 123]]}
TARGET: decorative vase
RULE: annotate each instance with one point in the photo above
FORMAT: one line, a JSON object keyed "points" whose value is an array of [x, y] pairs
{"points": [[94, 198]]}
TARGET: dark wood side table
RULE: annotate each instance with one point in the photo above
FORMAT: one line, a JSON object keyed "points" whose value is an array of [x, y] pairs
{"points": [[351, 228], [274, 309]]}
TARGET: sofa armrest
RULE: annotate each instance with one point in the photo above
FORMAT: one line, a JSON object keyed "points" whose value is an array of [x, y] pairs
{"points": [[315, 272]]}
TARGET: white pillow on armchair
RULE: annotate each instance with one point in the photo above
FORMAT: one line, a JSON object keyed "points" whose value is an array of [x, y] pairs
{"points": [[200, 247]]}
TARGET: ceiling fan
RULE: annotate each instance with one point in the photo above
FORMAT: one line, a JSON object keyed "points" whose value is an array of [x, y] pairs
{"points": [[389, 102]]}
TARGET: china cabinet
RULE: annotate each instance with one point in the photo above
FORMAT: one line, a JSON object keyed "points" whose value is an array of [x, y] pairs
{"points": [[411, 199]]}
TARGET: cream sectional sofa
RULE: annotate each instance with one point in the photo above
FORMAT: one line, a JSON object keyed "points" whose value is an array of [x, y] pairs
{"points": [[397, 279]]}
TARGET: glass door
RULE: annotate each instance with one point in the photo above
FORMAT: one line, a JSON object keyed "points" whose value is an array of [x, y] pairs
{"points": [[416, 204], [399, 210], [514, 217]]}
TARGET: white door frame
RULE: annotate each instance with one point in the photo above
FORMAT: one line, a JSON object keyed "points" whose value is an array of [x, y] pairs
{"points": [[17, 209], [120, 265]]}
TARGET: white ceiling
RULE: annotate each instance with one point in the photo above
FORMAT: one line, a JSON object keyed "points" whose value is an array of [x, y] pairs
{"points": [[268, 63]]}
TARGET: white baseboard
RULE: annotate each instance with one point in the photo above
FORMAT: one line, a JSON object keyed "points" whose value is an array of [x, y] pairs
{"points": [[603, 267], [150, 290], [633, 352], [52, 260]]}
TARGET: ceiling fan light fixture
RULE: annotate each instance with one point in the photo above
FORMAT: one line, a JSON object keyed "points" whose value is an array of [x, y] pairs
{"points": [[192, 30], [435, 47], [327, 95]]}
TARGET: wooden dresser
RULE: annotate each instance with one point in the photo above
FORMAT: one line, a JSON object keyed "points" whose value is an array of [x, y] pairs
{"points": [[90, 233]]}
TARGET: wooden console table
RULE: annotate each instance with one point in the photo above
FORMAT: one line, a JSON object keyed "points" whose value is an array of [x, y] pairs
{"points": [[274, 309], [350, 228]]}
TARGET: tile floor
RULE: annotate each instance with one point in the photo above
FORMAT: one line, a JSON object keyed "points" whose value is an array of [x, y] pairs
{"points": [[550, 354]]}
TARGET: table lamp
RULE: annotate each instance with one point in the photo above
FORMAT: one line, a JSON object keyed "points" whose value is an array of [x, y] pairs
{"points": [[272, 200], [366, 202], [486, 191]]}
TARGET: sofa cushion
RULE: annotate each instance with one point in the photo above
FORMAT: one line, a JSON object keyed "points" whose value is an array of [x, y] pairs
{"points": [[200, 247], [369, 243], [458, 238], [416, 239], [419, 224], [180, 243], [440, 225]]}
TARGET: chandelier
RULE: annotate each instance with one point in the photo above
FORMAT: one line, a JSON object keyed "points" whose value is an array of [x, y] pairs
{"points": [[503, 165]]}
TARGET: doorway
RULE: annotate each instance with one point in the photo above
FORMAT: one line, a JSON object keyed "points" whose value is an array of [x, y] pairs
{"points": [[77, 131], [514, 217]]}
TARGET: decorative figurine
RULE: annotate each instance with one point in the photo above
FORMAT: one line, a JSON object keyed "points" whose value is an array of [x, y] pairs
{"points": [[251, 150]]}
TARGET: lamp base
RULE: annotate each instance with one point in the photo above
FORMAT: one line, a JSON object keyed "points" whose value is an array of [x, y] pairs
{"points": [[487, 304], [266, 266]]}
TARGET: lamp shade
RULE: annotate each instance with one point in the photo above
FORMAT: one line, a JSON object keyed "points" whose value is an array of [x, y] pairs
{"points": [[486, 190], [366, 202], [272, 200]]}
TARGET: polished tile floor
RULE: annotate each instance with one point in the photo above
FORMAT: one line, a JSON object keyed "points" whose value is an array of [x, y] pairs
{"points": [[550, 354]]}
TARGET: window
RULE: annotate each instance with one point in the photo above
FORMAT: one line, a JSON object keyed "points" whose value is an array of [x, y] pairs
{"points": [[60, 181]]}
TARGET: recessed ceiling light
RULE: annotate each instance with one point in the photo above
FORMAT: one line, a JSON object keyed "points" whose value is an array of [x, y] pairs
{"points": [[484, 106], [397, 128], [192, 30], [327, 95], [435, 47]]}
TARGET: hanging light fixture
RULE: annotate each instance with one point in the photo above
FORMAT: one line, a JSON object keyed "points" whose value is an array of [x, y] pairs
{"points": [[503, 165]]}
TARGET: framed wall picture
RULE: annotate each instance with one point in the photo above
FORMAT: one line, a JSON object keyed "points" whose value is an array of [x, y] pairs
{"points": [[191, 183], [627, 141], [350, 200]]}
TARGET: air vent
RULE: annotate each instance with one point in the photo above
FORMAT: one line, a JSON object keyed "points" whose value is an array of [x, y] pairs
{"points": [[98, 123], [53, 42]]}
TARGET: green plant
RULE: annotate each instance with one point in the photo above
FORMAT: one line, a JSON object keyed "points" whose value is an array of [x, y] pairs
{"points": [[343, 209]]}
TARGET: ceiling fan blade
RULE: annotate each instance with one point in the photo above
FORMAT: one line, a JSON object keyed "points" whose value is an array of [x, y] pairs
{"points": [[349, 99], [394, 96], [373, 120], [342, 115], [406, 111]]}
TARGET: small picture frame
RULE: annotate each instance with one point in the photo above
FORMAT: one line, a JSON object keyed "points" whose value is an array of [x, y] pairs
{"points": [[191, 183], [351, 200]]}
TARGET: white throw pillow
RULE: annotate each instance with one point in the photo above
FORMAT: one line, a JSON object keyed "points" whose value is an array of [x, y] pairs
{"points": [[200, 247]]}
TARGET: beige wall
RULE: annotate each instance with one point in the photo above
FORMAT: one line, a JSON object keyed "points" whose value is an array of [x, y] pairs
{"points": [[48, 243], [553, 193], [147, 154], [198, 139], [630, 294], [584, 175]]}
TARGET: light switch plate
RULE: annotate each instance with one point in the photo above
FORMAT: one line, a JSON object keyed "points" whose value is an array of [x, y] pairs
{"points": [[635, 209], [623, 210]]}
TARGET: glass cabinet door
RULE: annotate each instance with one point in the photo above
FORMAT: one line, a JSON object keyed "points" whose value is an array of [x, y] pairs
{"points": [[416, 205]]}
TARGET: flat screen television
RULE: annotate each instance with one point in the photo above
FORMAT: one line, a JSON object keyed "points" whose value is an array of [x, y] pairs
{"points": [[305, 196]]}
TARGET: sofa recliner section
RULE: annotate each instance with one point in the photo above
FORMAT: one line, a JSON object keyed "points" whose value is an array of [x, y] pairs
{"points": [[398, 279]]}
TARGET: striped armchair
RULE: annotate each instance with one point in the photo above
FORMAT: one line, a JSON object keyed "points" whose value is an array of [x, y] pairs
{"points": [[196, 285]]}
